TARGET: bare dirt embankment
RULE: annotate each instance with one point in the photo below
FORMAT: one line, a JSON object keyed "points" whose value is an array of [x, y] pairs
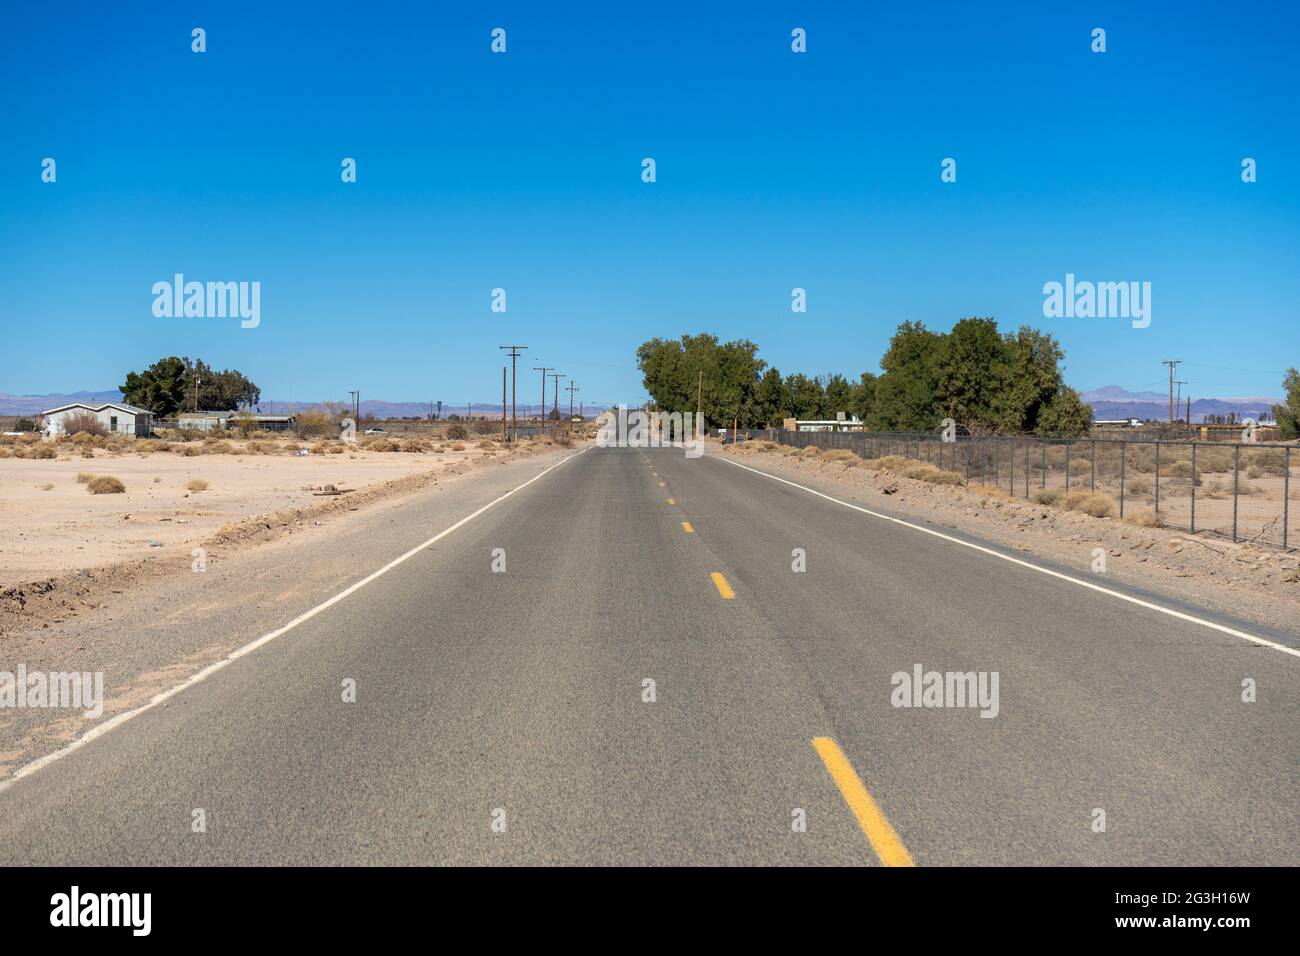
{"points": [[1252, 582], [69, 539]]}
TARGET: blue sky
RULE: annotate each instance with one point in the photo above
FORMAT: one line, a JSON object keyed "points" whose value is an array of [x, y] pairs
{"points": [[522, 171]]}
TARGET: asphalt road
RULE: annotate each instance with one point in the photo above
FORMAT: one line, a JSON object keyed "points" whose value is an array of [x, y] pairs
{"points": [[501, 717]]}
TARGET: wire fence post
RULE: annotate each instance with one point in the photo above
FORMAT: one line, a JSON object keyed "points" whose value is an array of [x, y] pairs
{"points": [[1026, 469], [1044, 481], [1236, 485], [1157, 477], [1193, 487], [1286, 492], [1123, 454], [1067, 467], [1093, 485]]}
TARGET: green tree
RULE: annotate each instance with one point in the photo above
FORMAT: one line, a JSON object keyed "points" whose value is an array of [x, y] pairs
{"points": [[972, 369], [839, 395], [863, 399], [1035, 378], [907, 392], [1065, 415], [1288, 413], [773, 398], [226, 390], [160, 388], [671, 372], [807, 399]]}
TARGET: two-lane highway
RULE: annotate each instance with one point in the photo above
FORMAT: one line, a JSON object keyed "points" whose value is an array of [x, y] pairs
{"points": [[644, 658]]}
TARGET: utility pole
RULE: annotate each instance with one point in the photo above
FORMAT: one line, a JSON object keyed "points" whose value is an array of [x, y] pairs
{"points": [[556, 408], [503, 403], [699, 403], [440, 409], [514, 423], [541, 409], [1178, 401], [1173, 364], [571, 388], [356, 406]]}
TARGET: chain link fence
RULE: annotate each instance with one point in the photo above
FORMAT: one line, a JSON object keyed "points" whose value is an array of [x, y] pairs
{"points": [[1242, 492]]}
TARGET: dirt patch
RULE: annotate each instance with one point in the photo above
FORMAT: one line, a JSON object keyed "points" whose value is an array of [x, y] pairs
{"points": [[90, 553]]}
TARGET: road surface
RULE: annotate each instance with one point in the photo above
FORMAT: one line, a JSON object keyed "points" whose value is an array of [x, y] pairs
{"points": [[504, 717]]}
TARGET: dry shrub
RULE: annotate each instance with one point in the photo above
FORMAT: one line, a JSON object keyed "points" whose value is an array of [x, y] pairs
{"points": [[314, 424], [1048, 496], [41, 451], [810, 451], [197, 484], [484, 426], [335, 450], [789, 451], [415, 445], [919, 470], [86, 423], [990, 491], [187, 451], [1146, 518], [457, 432], [458, 447], [105, 485], [5, 452], [1138, 486], [47, 487], [841, 454], [1080, 466], [84, 477], [1097, 505], [211, 447], [487, 445]]}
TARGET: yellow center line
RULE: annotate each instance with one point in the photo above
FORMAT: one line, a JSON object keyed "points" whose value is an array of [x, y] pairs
{"points": [[723, 587], [871, 818], [672, 501], [662, 485], [686, 526]]}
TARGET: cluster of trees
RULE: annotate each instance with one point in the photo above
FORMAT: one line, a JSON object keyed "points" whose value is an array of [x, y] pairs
{"points": [[1288, 413], [985, 380], [168, 386]]}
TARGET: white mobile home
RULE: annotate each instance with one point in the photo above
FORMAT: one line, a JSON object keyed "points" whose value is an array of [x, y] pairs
{"points": [[116, 417]]}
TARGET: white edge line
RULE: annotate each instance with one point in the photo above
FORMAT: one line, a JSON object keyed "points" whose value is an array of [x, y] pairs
{"points": [[1294, 652], [119, 719]]}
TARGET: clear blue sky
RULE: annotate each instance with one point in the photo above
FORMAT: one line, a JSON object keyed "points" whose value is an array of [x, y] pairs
{"points": [[522, 170]]}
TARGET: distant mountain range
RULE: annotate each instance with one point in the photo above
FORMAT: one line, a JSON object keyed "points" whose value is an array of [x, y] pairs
{"points": [[371, 408], [1110, 402], [1114, 402]]}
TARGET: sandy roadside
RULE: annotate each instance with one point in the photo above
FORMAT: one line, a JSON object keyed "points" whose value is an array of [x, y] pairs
{"points": [[63, 549], [1255, 583]]}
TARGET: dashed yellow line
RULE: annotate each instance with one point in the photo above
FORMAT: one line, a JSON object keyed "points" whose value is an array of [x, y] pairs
{"points": [[672, 501], [871, 818], [662, 485], [686, 526], [723, 587]]}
